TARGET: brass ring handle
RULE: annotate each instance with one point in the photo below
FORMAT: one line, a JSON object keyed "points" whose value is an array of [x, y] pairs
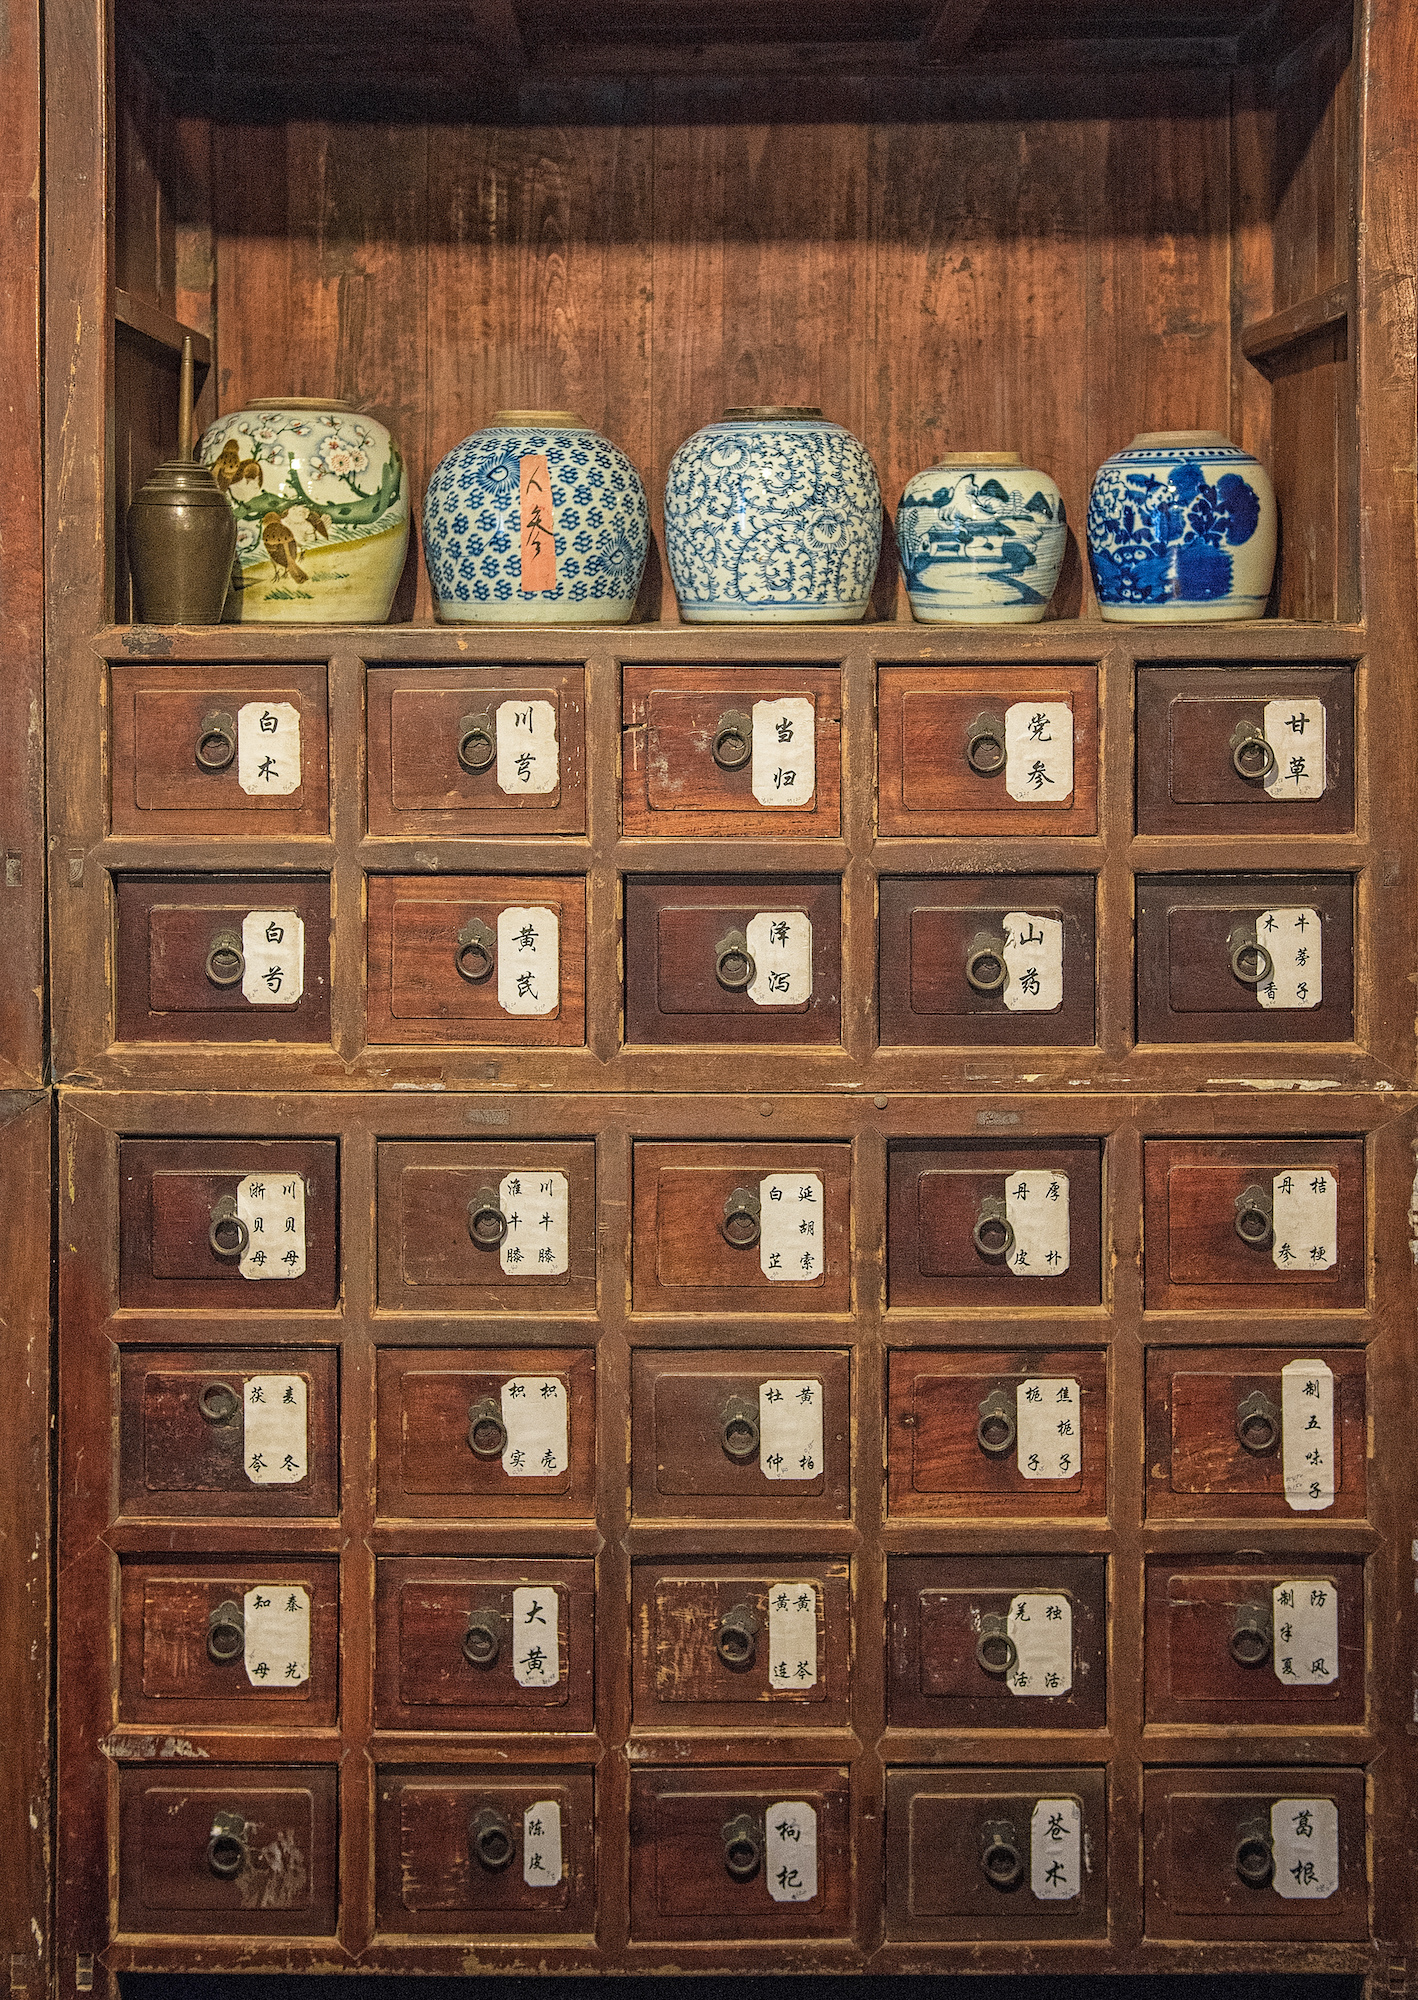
{"points": [[487, 1225], [1251, 1635], [995, 1652], [476, 954], [226, 1848], [1001, 1859], [226, 961], [984, 745], [985, 969], [993, 1234], [732, 746], [217, 1402], [1251, 963], [477, 744], [742, 1218], [743, 1847], [227, 1235], [1252, 757], [487, 1433], [996, 1431], [1257, 1424], [1255, 1217], [736, 1641], [482, 1641], [216, 741], [734, 966], [738, 1429], [1254, 1859], [491, 1839], [226, 1633]]}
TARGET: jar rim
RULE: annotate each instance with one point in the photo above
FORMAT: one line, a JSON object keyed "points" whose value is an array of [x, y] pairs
{"points": [[565, 420], [979, 458], [300, 403], [800, 412], [1159, 440]]}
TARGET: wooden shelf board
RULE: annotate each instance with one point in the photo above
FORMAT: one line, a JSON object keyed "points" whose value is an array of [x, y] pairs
{"points": [[1266, 337], [142, 317]]}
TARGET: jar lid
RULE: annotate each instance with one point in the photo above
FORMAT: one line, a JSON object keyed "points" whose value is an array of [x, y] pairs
{"points": [[564, 420], [1160, 440], [789, 410], [979, 458], [299, 403]]}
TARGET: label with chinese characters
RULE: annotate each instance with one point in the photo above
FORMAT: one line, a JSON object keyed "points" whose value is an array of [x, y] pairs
{"points": [[1304, 1217], [790, 1227], [528, 961], [790, 1851], [1295, 732], [1041, 1626], [780, 944], [784, 752], [538, 570], [792, 1635], [1305, 1621], [1292, 937], [541, 1845], [1033, 959], [273, 1208], [277, 1429], [535, 1208], [1307, 1435], [273, 948], [1036, 1208], [1304, 1841], [534, 1411], [1048, 1427], [790, 1429], [536, 1644], [1056, 1849], [268, 749], [277, 1619], [526, 747], [1038, 751]]}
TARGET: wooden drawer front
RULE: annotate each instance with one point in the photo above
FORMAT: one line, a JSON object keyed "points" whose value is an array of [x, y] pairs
{"points": [[984, 1642], [688, 1829], [1195, 773], [487, 1228], [1201, 1827], [1253, 1642], [1194, 930], [486, 1851], [719, 1435], [712, 753], [681, 931], [934, 721], [240, 1643], [278, 1827], [952, 1238], [1219, 1441], [945, 944], [501, 751], [423, 927], [173, 1200], [996, 1854], [473, 1645], [700, 1245], [973, 1434], [1198, 1203], [496, 1434], [742, 1646], [183, 1432], [192, 951], [163, 717]]}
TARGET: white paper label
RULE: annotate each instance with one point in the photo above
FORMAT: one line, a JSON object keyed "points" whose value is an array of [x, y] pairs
{"points": [[1304, 1217], [528, 961], [790, 1429], [1305, 1622], [1292, 937], [1295, 731], [277, 1652], [1304, 1840], [535, 1207], [276, 1430], [1056, 1850], [527, 759], [1033, 960], [1048, 1427], [1041, 1626], [792, 1635], [1307, 1435], [784, 752], [1036, 1208], [790, 1852], [780, 944], [536, 1649], [1038, 751], [541, 1845], [534, 1412], [273, 948], [273, 1209], [790, 1227], [268, 748]]}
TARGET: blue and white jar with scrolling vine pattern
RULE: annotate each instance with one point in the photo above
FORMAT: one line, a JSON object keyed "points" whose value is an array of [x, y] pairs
{"points": [[1181, 530], [772, 517], [537, 520]]}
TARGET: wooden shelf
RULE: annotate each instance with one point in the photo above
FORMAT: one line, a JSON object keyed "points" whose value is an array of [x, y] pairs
{"points": [[1263, 339], [159, 327]]}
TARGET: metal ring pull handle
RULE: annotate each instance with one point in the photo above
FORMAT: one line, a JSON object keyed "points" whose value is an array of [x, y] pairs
{"points": [[487, 1433], [1255, 1217], [1257, 1424], [491, 1839], [995, 1651], [743, 1847], [217, 1402], [984, 745], [736, 1641], [1252, 758], [227, 1235], [226, 1633], [738, 1429], [216, 741], [1251, 963], [487, 1225], [1254, 1858], [226, 1849], [477, 744], [1001, 1857], [734, 966], [482, 1642], [1252, 1634], [476, 954], [993, 1233], [732, 746], [226, 961], [985, 969], [741, 1222], [996, 1430]]}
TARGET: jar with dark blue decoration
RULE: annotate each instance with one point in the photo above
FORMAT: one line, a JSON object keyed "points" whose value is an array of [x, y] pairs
{"points": [[537, 520], [1181, 530]]}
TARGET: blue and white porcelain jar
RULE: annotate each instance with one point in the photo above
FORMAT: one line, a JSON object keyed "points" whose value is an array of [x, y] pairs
{"points": [[537, 520], [1181, 530], [772, 517], [981, 540]]}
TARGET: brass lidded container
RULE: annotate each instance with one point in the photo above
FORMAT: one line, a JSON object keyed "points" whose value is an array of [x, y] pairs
{"points": [[181, 532]]}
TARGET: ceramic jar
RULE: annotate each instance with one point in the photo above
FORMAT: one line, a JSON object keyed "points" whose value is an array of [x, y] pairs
{"points": [[322, 511], [772, 516], [981, 539], [537, 520], [1181, 530]]}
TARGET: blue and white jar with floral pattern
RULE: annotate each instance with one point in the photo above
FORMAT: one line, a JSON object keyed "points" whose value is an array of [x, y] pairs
{"points": [[772, 517], [537, 520], [981, 539], [1181, 530]]}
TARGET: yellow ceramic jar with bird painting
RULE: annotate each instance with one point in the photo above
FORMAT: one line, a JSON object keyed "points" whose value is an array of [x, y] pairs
{"points": [[322, 511]]}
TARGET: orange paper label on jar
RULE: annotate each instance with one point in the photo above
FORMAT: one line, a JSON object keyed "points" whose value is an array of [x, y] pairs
{"points": [[538, 526]]}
